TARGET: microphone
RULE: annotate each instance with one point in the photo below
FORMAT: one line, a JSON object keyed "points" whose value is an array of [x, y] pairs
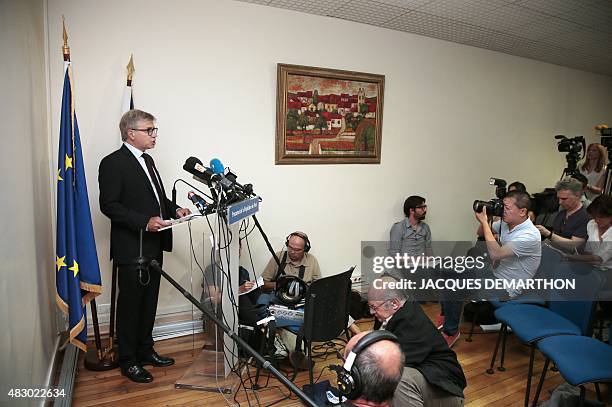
{"points": [[198, 201], [228, 180], [174, 195], [217, 166], [194, 166]]}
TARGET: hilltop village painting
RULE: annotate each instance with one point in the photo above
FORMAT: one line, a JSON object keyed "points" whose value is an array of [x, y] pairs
{"points": [[328, 116]]}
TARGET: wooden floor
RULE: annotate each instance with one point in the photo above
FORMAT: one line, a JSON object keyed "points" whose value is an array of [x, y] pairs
{"points": [[500, 389]]}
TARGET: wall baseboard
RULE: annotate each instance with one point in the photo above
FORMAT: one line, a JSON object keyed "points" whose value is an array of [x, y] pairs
{"points": [[167, 325]]}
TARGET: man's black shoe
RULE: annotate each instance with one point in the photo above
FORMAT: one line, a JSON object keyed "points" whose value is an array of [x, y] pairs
{"points": [[137, 373], [155, 360]]}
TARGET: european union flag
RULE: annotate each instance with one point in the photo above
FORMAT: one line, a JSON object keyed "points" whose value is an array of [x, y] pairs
{"points": [[77, 270]]}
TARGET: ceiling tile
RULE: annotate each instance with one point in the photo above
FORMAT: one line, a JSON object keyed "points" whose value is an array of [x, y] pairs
{"points": [[463, 10], [368, 12], [506, 18], [573, 33]]}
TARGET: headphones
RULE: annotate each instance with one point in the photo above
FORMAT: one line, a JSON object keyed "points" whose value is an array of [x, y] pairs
{"points": [[301, 235], [290, 290], [349, 377]]}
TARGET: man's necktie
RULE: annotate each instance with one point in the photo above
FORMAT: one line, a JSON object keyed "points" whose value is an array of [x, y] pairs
{"points": [[156, 183]]}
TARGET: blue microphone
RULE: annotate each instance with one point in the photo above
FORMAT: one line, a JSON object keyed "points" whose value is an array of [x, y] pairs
{"points": [[217, 166]]}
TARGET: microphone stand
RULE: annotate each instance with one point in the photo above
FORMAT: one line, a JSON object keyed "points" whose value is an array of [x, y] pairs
{"points": [[239, 341], [265, 238]]}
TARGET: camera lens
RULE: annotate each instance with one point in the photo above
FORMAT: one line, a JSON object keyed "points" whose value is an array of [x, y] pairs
{"points": [[478, 206]]}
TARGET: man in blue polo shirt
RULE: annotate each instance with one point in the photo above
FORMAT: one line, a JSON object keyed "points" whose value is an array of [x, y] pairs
{"points": [[518, 253], [515, 257]]}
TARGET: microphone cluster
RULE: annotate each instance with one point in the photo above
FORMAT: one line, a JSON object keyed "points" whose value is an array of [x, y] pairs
{"points": [[222, 184]]}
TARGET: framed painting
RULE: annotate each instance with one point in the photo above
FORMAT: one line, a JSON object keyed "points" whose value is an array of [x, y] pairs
{"points": [[328, 116]]}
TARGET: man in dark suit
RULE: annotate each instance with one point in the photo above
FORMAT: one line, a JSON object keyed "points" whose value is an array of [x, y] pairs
{"points": [[432, 375], [133, 197]]}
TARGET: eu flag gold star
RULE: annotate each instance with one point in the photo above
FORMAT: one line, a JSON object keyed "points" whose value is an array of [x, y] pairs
{"points": [[74, 268], [59, 262], [68, 162], [59, 177]]}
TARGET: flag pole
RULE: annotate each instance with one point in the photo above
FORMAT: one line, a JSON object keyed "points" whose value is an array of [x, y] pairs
{"points": [[113, 304], [94, 358], [65, 48], [130, 70]]}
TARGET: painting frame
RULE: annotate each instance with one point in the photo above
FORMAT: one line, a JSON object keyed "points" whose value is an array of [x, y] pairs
{"points": [[309, 131]]}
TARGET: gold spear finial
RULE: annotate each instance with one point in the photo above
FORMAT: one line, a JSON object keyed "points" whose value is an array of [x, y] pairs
{"points": [[65, 48], [130, 70]]}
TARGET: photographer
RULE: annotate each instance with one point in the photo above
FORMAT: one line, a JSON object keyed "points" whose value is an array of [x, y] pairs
{"points": [[594, 168], [518, 253], [570, 225]]}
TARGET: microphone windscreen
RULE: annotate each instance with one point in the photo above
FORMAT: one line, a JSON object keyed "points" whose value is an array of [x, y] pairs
{"points": [[217, 166], [190, 164]]}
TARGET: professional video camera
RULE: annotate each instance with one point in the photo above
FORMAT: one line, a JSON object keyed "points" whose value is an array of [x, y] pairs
{"points": [[606, 141], [573, 147], [606, 136], [494, 206]]}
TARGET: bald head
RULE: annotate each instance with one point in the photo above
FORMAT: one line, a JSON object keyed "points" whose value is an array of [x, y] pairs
{"points": [[380, 366]]}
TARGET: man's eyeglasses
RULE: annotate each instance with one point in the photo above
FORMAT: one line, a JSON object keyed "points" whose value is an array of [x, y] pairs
{"points": [[421, 207], [294, 249], [149, 130], [375, 308]]}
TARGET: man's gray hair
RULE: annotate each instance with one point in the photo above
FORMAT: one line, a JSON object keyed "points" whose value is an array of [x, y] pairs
{"points": [[390, 293], [130, 120], [569, 184], [377, 384]]}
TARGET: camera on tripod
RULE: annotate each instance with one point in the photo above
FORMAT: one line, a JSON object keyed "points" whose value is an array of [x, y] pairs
{"points": [[606, 136], [570, 145], [493, 206], [573, 147]]}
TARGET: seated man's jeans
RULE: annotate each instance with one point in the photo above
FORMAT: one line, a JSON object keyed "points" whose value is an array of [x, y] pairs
{"points": [[452, 315], [451, 309]]}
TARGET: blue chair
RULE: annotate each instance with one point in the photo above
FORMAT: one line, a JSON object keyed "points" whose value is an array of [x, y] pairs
{"points": [[531, 323], [534, 300], [579, 359]]}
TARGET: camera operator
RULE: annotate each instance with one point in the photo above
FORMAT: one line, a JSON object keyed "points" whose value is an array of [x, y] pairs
{"points": [[570, 225], [594, 168]]}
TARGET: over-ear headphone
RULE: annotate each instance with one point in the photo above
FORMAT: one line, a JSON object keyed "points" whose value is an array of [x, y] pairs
{"points": [[349, 377], [290, 290], [303, 236]]}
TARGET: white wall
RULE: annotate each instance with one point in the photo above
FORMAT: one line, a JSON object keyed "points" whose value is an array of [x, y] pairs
{"points": [[27, 286], [453, 115]]}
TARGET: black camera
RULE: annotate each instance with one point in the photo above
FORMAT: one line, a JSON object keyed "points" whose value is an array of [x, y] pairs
{"points": [[494, 206], [606, 137], [573, 147], [570, 145]]}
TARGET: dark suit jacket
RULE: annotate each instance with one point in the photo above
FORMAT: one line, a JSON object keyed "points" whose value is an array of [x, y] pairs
{"points": [[127, 198], [425, 349]]}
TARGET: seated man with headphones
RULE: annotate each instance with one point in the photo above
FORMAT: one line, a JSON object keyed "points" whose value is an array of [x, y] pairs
{"points": [[294, 261], [372, 369], [287, 284], [432, 374]]}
